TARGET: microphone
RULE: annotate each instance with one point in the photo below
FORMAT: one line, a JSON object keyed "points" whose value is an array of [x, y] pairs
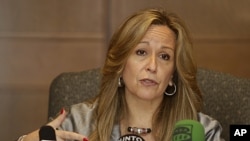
{"points": [[130, 137], [47, 133], [188, 130]]}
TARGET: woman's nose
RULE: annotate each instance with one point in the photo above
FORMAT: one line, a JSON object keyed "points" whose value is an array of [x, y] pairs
{"points": [[152, 64]]}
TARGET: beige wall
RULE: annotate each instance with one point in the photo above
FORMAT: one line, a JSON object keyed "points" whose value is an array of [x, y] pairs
{"points": [[41, 38], [38, 40]]}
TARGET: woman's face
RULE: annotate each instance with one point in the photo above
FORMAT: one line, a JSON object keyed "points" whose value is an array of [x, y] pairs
{"points": [[149, 68]]}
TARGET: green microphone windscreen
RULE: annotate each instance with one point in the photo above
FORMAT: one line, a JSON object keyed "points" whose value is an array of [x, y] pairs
{"points": [[188, 130]]}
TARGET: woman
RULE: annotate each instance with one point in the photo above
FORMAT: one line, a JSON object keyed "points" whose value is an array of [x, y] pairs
{"points": [[149, 83]]}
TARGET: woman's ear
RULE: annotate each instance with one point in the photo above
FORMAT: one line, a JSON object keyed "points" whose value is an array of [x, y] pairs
{"points": [[170, 83]]}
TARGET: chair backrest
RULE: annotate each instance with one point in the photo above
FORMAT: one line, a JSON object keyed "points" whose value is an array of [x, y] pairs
{"points": [[226, 98]]}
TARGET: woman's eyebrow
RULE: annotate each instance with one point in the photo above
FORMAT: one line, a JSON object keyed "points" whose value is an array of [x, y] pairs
{"points": [[163, 47], [166, 47], [146, 42]]}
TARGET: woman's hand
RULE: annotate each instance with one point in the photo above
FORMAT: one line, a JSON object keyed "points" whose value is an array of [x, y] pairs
{"points": [[60, 135]]}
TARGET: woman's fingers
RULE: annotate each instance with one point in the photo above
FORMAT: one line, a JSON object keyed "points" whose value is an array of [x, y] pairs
{"points": [[66, 135], [57, 121], [60, 135]]}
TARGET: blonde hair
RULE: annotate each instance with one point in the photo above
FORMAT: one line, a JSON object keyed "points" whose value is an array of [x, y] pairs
{"points": [[183, 105]]}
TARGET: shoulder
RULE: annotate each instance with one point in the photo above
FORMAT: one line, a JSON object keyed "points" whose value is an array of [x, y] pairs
{"points": [[83, 108], [212, 127], [81, 118]]}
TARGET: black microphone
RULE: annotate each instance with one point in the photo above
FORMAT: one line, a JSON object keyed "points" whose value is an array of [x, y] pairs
{"points": [[188, 130], [47, 133]]}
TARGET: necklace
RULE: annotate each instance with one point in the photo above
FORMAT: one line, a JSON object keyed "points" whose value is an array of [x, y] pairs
{"points": [[139, 131]]}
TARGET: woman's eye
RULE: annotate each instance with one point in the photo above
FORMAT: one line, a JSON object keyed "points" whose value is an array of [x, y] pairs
{"points": [[165, 56], [141, 52]]}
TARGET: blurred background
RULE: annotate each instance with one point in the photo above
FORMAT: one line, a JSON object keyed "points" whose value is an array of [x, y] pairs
{"points": [[39, 39]]}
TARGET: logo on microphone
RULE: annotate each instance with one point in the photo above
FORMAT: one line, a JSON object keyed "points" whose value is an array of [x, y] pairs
{"points": [[130, 137], [183, 133]]}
